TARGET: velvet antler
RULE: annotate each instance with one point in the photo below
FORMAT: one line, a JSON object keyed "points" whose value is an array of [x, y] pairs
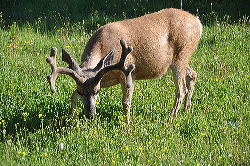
{"points": [[59, 70], [120, 65]]}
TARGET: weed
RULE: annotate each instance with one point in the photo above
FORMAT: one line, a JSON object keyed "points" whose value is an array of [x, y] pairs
{"points": [[39, 128]]}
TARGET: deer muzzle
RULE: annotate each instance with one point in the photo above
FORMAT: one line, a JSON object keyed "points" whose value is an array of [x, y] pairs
{"points": [[90, 107]]}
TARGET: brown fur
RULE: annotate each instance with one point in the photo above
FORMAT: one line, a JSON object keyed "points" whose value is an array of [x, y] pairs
{"points": [[161, 40], [157, 39]]}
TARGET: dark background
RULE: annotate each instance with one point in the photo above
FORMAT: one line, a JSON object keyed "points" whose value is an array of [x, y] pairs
{"points": [[58, 12]]}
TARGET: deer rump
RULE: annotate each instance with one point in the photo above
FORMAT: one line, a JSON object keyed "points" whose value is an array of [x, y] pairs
{"points": [[160, 40]]}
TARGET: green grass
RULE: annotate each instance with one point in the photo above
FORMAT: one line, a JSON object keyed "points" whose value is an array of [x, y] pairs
{"points": [[33, 121]]}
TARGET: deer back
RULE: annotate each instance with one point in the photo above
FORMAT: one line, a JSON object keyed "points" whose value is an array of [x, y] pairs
{"points": [[157, 40]]}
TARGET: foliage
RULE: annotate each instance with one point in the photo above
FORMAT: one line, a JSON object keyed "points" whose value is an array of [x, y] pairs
{"points": [[39, 128], [57, 13]]}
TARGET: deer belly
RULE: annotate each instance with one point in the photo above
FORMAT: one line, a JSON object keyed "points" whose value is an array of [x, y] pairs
{"points": [[150, 71], [152, 67]]}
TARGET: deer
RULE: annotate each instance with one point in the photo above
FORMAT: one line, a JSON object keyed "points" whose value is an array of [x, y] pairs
{"points": [[157, 41]]}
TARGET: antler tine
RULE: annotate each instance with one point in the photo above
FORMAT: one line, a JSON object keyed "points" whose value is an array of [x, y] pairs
{"points": [[120, 65], [59, 70], [127, 71], [125, 51], [52, 61]]}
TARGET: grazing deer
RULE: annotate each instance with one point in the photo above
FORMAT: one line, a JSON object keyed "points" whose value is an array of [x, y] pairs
{"points": [[160, 40]]}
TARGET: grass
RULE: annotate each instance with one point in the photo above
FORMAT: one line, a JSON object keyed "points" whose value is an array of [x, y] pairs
{"points": [[39, 128]]}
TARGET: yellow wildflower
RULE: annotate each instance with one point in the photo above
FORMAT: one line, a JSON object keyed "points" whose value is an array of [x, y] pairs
{"points": [[45, 154], [25, 114], [24, 153]]}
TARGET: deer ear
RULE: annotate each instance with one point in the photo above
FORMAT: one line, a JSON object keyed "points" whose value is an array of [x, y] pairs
{"points": [[71, 62], [66, 57], [106, 61]]}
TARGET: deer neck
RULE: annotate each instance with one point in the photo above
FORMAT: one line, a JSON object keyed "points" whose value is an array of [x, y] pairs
{"points": [[91, 57]]}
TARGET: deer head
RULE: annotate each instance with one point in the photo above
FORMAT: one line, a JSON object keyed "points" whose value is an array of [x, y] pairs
{"points": [[88, 81]]}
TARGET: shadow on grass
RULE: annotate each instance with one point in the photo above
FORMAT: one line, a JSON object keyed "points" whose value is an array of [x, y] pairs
{"points": [[111, 114], [57, 120]]}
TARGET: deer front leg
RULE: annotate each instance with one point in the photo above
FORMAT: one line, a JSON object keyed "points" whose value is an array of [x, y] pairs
{"points": [[127, 97], [191, 76], [74, 99]]}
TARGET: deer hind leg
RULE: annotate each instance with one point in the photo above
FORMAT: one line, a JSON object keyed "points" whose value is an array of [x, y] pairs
{"points": [[191, 76], [126, 100], [179, 75]]}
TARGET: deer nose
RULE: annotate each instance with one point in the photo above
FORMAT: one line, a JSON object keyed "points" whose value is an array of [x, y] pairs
{"points": [[89, 116]]}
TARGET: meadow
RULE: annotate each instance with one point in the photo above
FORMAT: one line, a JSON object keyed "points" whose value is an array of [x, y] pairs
{"points": [[39, 128]]}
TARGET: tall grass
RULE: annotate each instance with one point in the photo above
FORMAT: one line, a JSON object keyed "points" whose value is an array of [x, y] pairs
{"points": [[57, 13], [39, 128]]}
